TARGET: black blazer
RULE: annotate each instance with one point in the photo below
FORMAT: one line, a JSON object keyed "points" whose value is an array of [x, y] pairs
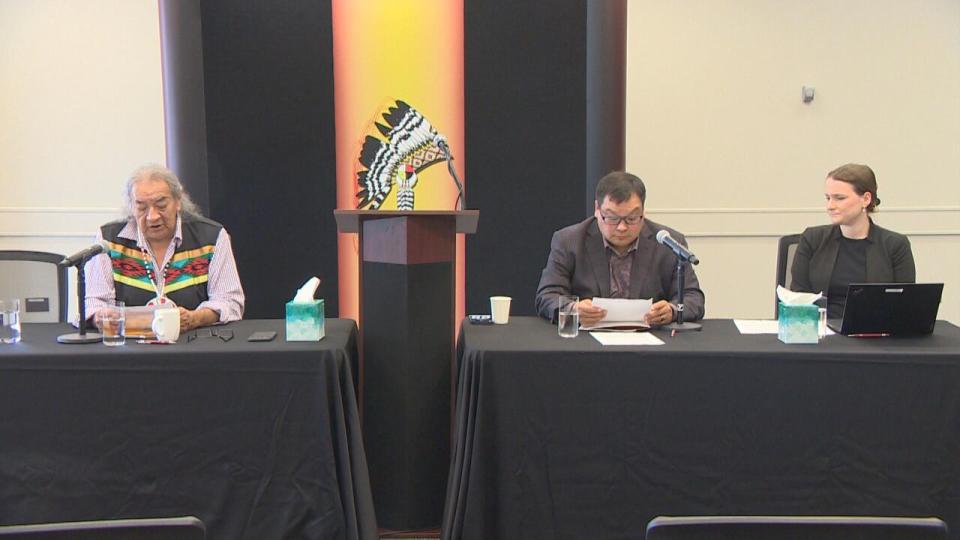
{"points": [[578, 265], [889, 258]]}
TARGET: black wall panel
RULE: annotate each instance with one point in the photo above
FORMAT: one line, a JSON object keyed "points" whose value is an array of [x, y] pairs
{"points": [[526, 138], [268, 76]]}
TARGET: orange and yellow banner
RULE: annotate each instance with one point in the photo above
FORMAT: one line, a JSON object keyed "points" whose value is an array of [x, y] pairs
{"points": [[385, 51]]}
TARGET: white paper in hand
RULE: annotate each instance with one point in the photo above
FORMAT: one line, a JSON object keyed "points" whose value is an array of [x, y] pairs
{"points": [[622, 313], [622, 309]]}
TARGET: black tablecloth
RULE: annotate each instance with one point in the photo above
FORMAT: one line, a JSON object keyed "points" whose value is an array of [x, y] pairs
{"points": [[561, 438], [259, 440]]}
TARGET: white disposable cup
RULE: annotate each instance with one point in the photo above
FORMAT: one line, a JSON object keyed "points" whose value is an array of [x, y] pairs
{"points": [[500, 309], [568, 318]]}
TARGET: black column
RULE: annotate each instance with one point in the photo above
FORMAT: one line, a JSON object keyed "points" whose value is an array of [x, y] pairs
{"points": [[606, 91], [183, 99], [406, 423]]}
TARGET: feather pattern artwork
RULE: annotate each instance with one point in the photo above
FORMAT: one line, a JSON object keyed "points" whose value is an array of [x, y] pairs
{"points": [[407, 147]]}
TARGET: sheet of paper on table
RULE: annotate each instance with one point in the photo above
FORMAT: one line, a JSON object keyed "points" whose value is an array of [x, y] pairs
{"points": [[762, 326], [756, 326], [626, 338]]}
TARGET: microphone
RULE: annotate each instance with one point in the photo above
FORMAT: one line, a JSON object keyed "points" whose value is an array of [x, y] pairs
{"points": [[676, 247], [84, 254], [441, 143]]}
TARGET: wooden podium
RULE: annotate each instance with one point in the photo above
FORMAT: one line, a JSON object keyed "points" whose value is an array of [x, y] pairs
{"points": [[407, 350]]}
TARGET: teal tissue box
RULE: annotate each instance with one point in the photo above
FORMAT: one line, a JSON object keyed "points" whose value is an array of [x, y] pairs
{"points": [[798, 324], [305, 321]]}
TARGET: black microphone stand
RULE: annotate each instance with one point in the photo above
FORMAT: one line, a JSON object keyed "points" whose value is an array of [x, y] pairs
{"points": [[679, 325], [81, 336], [461, 196]]}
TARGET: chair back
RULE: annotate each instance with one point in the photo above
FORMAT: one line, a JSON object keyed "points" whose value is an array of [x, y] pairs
{"points": [[176, 528], [786, 249], [795, 528], [38, 281]]}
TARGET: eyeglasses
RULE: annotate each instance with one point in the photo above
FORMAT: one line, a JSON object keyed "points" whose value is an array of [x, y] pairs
{"points": [[222, 333], [614, 221]]}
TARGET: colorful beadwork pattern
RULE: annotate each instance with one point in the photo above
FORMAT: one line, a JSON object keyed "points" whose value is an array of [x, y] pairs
{"points": [[185, 269]]}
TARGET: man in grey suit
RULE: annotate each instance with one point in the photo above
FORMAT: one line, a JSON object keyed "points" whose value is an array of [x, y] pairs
{"points": [[615, 254]]}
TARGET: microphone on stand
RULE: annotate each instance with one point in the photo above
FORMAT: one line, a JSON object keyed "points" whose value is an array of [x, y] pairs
{"points": [[683, 255], [84, 254], [678, 249], [441, 143], [79, 260]]}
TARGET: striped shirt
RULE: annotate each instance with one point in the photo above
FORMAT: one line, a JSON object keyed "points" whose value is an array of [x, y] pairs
{"points": [[621, 266]]}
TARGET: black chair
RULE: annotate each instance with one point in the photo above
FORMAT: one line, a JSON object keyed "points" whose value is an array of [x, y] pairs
{"points": [[38, 281], [177, 528], [786, 249], [795, 528]]}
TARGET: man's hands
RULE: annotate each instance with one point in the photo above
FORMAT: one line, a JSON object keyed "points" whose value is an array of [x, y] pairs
{"points": [[661, 313], [590, 314], [195, 319]]}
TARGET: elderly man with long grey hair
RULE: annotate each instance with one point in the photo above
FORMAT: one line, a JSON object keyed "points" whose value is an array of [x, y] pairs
{"points": [[164, 252]]}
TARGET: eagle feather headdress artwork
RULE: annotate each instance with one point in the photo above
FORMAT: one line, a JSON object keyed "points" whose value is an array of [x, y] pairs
{"points": [[409, 146]]}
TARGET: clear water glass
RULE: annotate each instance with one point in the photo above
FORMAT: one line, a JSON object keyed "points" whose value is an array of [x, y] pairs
{"points": [[113, 324], [822, 323], [568, 318], [10, 321]]}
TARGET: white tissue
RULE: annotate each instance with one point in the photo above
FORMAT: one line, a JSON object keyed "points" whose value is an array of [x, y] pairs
{"points": [[792, 298], [305, 293]]}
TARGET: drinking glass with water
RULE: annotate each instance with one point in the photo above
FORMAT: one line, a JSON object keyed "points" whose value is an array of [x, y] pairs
{"points": [[568, 319], [113, 324], [10, 321]]}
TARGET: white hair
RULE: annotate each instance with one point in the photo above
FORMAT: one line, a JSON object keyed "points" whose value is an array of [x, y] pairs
{"points": [[153, 171]]}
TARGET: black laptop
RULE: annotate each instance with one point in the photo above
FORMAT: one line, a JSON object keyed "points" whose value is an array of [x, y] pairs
{"points": [[889, 309]]}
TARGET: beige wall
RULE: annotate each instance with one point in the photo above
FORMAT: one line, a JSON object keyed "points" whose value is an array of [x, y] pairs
{"points": [[81, 105], [733, 158]]}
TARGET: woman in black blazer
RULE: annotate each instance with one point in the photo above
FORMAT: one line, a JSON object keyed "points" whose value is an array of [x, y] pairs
{"points": [[853, 249]]}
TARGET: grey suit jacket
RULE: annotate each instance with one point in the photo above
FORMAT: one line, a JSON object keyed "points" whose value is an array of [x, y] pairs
{"points": [[889, 258], [578, 265]]}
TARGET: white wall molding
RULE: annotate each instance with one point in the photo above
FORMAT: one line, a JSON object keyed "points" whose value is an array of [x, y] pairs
{"points": [[764, 222], [56, 210], [818, 210], [778, 234], [38, 222], [54, 234]]}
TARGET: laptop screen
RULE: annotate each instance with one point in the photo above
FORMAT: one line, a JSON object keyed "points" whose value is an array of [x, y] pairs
{"points": [[890, 309]]}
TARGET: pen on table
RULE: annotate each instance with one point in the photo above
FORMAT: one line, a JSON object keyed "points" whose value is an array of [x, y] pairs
{"points": [[871, 334]]}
